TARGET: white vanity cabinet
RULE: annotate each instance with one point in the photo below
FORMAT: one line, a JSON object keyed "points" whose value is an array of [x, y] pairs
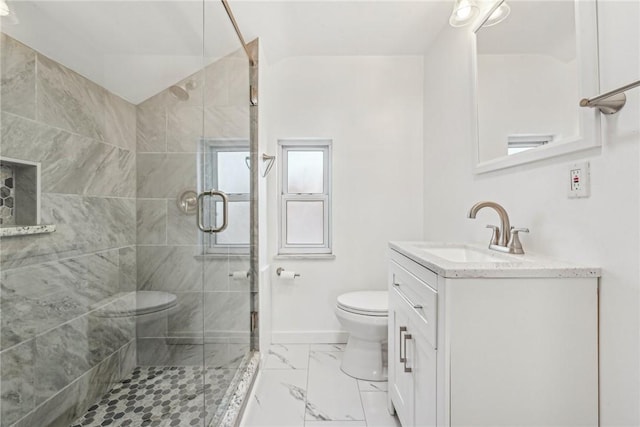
{"points": [[491, 344], [413, 310]]}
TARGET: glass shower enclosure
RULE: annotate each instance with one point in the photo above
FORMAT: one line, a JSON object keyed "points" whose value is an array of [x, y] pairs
{"points": [[128, 234]]}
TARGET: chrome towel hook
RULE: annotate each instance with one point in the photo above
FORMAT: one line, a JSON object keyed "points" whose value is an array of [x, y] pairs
{"points": [[271, 160], [265, 158]]}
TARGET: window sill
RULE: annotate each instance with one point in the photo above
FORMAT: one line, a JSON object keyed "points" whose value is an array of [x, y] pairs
{"points": [[220, 256], [319, 257]]}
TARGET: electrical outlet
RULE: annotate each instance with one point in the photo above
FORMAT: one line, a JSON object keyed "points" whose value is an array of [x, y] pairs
{"points": [[579, 180]]}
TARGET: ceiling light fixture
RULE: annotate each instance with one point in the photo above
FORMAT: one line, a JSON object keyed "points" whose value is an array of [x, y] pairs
{"points": [[4, 8], [464, 11], [498, 15]]}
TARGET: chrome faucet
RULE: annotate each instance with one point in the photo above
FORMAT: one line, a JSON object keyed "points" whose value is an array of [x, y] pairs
{"points": [[505, 238]]}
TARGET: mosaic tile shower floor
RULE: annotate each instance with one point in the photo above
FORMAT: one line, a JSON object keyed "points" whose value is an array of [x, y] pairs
{"points": [[163, 397]]}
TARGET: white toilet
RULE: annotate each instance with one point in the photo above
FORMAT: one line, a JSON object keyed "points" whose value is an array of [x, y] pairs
{"points": [[365, 316]]}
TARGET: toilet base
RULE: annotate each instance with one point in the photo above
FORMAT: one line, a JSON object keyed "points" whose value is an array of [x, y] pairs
{"points": [[363, 360]]}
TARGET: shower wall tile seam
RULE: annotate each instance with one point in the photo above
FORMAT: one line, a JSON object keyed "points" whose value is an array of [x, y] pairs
{"points": [[70, 132], [15, 266], [13, 347], [93, 196], [59, 325], [163, 245], [169, 152], [36, 110], [166, 129], [82, 255]]}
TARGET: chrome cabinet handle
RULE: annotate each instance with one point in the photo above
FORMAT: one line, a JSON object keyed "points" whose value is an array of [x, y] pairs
{"points": [[405, 297], [402, 329], [406, 337], [200, 211]]}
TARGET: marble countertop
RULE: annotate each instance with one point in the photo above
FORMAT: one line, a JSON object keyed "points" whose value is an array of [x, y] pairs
{"points": [[501, 264], [26, 230]]}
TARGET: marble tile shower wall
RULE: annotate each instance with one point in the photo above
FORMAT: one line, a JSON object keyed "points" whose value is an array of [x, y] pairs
{"points": [[59, 352], [170, 253]]}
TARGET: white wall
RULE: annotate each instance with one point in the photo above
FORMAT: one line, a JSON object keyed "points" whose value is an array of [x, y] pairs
{"points": [[372, 109], [602, 230]]}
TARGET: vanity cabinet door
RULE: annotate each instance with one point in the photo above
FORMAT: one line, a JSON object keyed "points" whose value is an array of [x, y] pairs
{"points": [[424, 373], [400, 382]]}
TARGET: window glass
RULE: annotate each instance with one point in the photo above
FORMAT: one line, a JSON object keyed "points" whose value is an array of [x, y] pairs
{"points": [[305, 222], [233, 173], [305, 172], [237, 231]]}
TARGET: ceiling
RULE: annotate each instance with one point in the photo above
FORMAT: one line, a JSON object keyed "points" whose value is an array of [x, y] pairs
{"points": [[533, 27], [138, 48]]}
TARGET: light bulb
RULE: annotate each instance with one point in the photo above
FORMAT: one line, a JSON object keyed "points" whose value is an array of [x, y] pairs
{"points": [[463, 13], [4, 8]]}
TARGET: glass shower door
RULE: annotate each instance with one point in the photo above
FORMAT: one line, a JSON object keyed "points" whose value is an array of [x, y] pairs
{"points": [[225, 168]]}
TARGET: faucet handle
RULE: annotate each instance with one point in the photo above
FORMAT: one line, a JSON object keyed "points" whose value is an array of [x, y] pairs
{"points": [[495, 236], [514, 245]]}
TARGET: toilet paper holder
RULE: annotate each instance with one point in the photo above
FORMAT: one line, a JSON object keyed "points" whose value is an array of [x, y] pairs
{"points": [[280, 270], [246, 273]]}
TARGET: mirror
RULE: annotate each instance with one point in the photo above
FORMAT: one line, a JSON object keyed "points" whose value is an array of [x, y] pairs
{"points": [[531, 71]]}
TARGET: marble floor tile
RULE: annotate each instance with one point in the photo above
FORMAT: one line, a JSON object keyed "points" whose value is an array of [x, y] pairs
{"points": [[331, 395], [375, 410], [278, 399], [365, 385], [287, 356]]}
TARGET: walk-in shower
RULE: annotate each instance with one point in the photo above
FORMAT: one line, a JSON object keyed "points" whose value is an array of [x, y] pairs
{"points": [[124, 132]]}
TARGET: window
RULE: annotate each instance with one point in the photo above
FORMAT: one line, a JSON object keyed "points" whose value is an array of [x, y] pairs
{"points": [[305, 196], [227, 170], [519, 143]]}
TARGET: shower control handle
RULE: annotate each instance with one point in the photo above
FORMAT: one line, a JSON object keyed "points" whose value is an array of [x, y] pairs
{"points": [[200, 211]]}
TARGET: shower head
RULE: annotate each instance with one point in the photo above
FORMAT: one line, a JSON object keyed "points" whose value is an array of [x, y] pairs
{"points": [[181, 92]]}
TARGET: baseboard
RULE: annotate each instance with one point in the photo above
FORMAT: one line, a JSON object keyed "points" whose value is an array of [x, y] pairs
{"points": [[312, 337]]}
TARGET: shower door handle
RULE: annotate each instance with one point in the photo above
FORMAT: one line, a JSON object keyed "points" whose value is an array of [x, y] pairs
{"points": [[225, 211]]}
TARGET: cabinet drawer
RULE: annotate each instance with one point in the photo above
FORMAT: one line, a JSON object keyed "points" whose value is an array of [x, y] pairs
{"points": [[422, 273], [421, 300]]}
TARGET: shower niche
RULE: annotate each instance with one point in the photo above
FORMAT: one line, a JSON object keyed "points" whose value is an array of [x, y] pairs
{"points": [[20, 198]]}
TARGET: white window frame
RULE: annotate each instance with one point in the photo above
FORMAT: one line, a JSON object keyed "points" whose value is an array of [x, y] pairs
{"points": [[213, 146], [307, 144]]}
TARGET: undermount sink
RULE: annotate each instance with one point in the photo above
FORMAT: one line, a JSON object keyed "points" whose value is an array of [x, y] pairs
{"points": [[465, 254]]}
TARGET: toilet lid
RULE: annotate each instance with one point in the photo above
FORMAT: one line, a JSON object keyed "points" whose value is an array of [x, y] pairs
{"points": [[371, 303], [134, 304]]}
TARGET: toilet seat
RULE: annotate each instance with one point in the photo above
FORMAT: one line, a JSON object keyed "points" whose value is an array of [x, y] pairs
{"points": [[365, 303]]}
